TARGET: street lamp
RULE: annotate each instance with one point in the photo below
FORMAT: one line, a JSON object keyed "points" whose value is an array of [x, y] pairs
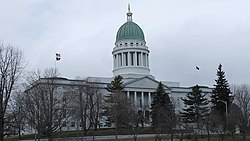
{"points": [[225, 102]]}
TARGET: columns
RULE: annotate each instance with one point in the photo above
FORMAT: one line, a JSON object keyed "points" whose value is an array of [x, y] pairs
{"points": [[149, 99], [141, 59], [135, 59], [135, 98], [142, 99], [147, 61], [117, 61], [125, 58], [122, 59], [114, 62], [129, 59]]}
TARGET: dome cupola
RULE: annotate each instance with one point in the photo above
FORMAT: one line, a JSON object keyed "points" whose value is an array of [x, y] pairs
{"points": [[130, 30]]}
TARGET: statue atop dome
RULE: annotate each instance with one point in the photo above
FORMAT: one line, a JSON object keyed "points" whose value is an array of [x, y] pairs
{"points": [[129, 14]]}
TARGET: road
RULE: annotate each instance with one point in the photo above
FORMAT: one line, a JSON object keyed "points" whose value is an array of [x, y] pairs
{"points": [[88, 138]]}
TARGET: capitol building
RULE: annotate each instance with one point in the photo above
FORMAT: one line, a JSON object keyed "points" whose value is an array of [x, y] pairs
{"points": [[131, 57], [131, 60]]}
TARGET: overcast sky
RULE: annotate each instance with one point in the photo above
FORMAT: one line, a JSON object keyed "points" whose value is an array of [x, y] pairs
{"points": [[180, 34]]}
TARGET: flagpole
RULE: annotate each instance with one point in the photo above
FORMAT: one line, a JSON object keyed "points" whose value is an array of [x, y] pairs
{"points": [[55, 61], [197, 77], [55, 65], [197, 70]]}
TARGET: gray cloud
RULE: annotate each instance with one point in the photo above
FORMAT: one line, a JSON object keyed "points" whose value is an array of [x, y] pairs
{"points": [[180, 34]]}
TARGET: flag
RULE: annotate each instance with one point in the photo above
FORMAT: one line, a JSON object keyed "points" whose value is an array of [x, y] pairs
{"points": [[58, 56], [197, 68]]}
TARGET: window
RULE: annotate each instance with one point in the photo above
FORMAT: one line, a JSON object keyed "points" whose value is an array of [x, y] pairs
{"points": [[132, 58], [126, 59], [137, 44], [120, 59], [64, 113], [64, 124], [147, 116], [131, 95], [72, 124], [138, 98], [126, 44], [146, 98], [131, 44]]}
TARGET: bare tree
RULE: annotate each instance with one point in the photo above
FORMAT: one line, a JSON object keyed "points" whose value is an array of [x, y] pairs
{"points": [[88, 104], [11, 67], [93, 103], [16, 114], [47, 103], [79, 112], [214, 124], [242, 99], [134, 118], [118, 110]]}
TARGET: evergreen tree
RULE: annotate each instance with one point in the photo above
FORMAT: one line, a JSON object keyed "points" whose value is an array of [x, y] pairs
{"points": [[115, 85], [115, 88], [162, 112], [197, 107], [118, 105], [221, 92]]}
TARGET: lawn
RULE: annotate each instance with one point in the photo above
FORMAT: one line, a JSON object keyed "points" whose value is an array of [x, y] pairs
{"points": [[65, 135]]}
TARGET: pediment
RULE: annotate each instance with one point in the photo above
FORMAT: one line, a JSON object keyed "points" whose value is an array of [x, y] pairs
{"points": [[144, 83]]}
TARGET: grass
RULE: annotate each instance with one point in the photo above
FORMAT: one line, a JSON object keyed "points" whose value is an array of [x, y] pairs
{"points": [[213, 138], [68, 134]]}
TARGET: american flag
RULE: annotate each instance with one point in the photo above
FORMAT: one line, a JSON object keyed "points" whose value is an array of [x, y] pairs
{"points": [[58, 56]]}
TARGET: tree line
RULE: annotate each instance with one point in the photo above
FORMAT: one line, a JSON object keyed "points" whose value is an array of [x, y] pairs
{"points": [[225, 111]]}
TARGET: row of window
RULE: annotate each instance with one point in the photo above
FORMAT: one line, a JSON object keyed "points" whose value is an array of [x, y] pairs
{"points": [[131, 44], [72, 124]]}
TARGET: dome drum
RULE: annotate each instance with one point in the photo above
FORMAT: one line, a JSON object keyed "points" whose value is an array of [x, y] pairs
{"points": [[138, 71]]}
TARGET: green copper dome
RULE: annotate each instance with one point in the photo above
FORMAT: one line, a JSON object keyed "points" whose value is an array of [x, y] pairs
{"points": [[130, 30]]}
